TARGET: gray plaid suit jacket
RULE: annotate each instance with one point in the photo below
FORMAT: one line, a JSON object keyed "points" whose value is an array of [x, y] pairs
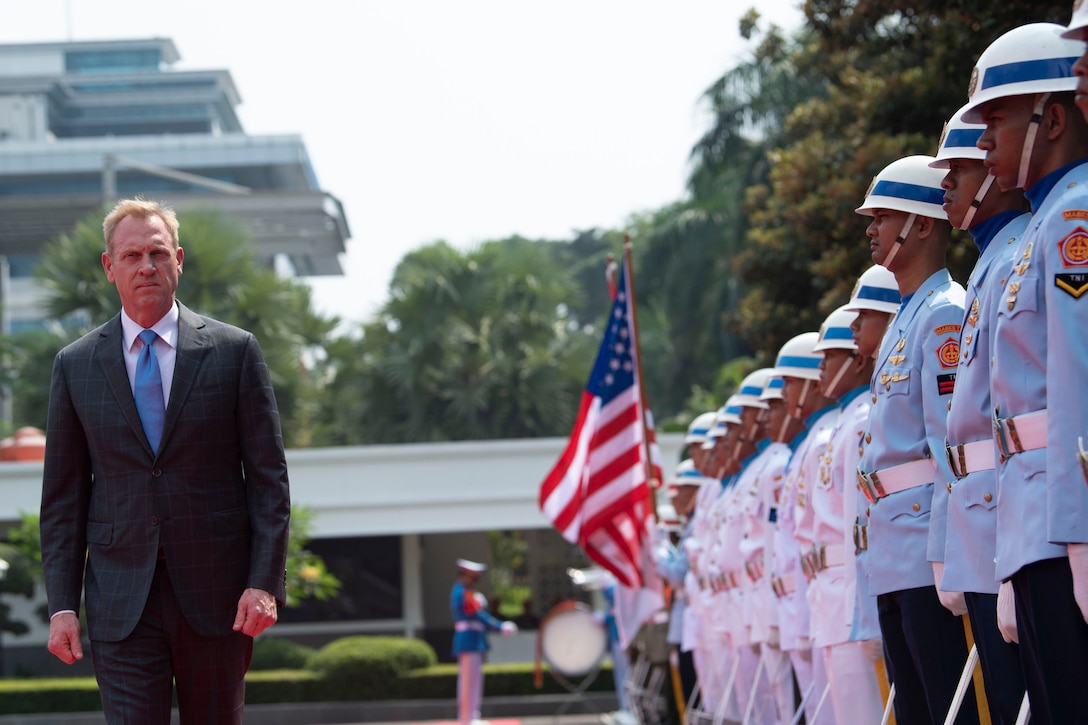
{"points": [[214, 500]]}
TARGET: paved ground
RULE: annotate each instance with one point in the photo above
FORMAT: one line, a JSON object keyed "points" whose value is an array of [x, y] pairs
{"points": [[533, 710]]}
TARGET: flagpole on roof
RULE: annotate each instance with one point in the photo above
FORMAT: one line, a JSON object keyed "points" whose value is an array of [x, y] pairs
{"points": [[629, 269]]}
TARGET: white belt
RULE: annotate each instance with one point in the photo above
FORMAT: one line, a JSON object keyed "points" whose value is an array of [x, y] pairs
{"points": [[783, 585], [1020, 433], [820, 558], [878, 484], [469, 625], [968, 458], [754, 568]]}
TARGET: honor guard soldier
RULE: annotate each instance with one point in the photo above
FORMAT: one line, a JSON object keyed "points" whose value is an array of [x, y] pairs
{"points": [[996, 220], [672, 566], [903, 468], [696, 436], [471, 623], [1022, 89], [753, 697], [784, 433], [875, 299], [828, 524], [799, 365]]}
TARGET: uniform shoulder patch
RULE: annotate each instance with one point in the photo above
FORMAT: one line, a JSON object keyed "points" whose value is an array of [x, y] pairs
{"points": [[1071, 214], [948, 354], [1073, 284], [1073, 248]]}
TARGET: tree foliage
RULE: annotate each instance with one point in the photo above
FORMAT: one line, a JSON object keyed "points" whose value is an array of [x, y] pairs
{"points": [[470, 345]]}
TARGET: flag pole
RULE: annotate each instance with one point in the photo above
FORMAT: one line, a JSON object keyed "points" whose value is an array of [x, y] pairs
{"points": [[638, 370]]}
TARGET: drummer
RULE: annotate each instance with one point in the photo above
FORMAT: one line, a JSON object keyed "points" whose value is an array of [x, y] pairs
{"points": [[471, 623]]}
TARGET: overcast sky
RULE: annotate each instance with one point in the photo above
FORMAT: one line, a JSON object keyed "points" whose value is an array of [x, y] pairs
{"points": [[444, 119]]}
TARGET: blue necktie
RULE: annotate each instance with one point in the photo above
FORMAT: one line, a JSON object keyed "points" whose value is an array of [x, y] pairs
{"points": [[148, 390]]}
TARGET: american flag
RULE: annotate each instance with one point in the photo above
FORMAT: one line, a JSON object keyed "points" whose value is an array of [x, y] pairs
{"points": [[597, 494]]}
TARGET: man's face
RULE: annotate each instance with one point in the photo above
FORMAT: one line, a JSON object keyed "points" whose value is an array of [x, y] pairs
{"points": [[791, 393], [883, 231], [833, 361], [1080, 70], [1007, 121], [775, 416], [869, 327], [962, 181], [145, 266]]}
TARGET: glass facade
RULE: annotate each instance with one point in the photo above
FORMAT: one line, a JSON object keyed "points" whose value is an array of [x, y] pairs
{"points": [[112, 61]]}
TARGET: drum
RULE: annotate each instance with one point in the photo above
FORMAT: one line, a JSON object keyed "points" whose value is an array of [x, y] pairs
{"points": [[572, 639]]}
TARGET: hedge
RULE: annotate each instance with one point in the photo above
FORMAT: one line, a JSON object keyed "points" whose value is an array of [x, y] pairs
{"points": [[348, 670]]}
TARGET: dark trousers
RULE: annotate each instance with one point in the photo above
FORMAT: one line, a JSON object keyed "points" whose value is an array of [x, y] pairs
{"points": [[1053, 642], [1000, 661], [136, 676], [926, 648]]}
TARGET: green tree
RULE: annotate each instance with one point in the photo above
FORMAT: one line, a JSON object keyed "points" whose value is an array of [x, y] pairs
{"points": [[221, 278], [470, 345]]}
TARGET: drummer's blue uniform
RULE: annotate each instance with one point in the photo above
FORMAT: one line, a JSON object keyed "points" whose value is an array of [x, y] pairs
{"points": [[971, 534], [471, 623], [1040, 347], [915, 372]]}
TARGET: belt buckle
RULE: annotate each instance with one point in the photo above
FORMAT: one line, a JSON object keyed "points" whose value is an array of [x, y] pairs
{"points": [[857, 541], [999, 436], [806, 566], [1082, 456], [866, 486], [819, 556], [957, 463], [861, 537]]}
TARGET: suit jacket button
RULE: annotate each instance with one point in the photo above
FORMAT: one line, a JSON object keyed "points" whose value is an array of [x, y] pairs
{"points": [[988, 498], [154, 520], [916, 507], [157, 472]]}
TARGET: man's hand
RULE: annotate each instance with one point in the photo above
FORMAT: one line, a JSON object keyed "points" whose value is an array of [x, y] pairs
{"points": [[1006, 613], [64, 638], [1078, 565], [952, 601], [256, 612]]}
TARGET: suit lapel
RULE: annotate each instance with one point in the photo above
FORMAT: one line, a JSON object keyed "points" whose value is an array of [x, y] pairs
{"points": [[192, 346], [110, 356]]}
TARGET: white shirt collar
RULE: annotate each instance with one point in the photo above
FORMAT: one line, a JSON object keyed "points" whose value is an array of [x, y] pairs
{"points": [[166, 328]]}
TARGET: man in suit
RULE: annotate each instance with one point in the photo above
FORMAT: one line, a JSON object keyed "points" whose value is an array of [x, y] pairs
{"points": [[165, 492]]}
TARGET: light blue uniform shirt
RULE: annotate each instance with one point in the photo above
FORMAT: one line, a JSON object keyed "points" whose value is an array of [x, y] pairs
{"points": [[1040, 346], [914, 375], [971, 534]]}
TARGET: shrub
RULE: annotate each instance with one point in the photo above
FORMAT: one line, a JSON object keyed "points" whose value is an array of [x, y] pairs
{"points": [[270, 653], [368, 664]]}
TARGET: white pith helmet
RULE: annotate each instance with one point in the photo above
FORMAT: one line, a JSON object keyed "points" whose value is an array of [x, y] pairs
{"points": [[959, 140], [877, 290], [1033, 58], [835, 332], [1079, 22], [699, 427], [773, 389], [908, 184], [751, 388], [798, 358]]}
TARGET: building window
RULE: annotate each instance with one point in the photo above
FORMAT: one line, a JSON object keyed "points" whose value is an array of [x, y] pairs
{"points": [[111, 61], [369, 570]]}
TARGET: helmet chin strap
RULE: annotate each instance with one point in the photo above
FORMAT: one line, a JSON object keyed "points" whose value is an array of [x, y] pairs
{"points": [[829, 389], [802, 398], [977, 202], [887, 264], [781, 437], [1029, 139]]}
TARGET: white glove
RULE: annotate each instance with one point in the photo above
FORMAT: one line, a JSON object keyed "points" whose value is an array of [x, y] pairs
{"points": [[952, 601], [1006, 613], [873, 648], [1078, 563], [508, 628]]}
